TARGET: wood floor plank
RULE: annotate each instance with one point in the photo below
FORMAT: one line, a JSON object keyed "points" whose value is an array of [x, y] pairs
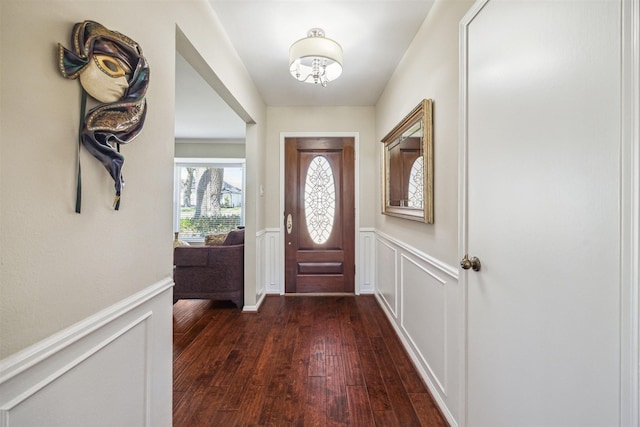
{"points": [[225, 374], [376, 389], [317, 357], [317, 367], [397, 394], [331, 332], [207, 410], [360, 412], [224, 418], [300, 358], [277, 407], [315, 404], [386, 419], [183, 342], [189, 405], [353, 375], [177, 398], [300, 361], [284, 387], [262, 373], [378, 397], [368, 309], [187, 372], [189, 329], [349, 352], [427, 410], [337, 402], [238, 383], [186, 313], [407, 371], [251, 405]]}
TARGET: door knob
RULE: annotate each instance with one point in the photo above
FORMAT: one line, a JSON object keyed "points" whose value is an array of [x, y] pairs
{"points": [[473, 263]]}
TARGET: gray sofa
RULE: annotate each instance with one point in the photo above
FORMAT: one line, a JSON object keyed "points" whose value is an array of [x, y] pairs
{"points": [[211, 272]]}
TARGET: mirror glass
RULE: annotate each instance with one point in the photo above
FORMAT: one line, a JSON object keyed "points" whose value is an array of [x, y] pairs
{"points": [[408, 166]]}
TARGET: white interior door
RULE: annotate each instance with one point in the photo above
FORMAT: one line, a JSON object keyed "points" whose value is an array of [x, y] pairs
{"points": [[541, 196]]}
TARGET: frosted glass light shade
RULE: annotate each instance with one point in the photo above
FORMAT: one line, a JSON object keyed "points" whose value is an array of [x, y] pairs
{"points": [[315, 59]]}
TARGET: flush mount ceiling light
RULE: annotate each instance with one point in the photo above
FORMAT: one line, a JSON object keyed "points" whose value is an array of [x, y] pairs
{"points": [[315, 59]]}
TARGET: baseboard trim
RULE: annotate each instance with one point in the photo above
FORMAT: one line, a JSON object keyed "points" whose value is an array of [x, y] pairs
{"points": [[254, 308]]}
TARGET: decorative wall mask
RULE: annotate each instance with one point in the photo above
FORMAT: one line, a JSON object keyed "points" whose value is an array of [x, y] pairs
{"points": [[112, 70]]}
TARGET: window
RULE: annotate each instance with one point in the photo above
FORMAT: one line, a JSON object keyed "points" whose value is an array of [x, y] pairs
{"points": [[319, 199], [208, 197]]}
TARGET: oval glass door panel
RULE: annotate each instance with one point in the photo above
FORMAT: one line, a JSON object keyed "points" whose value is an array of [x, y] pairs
{"points": [[319, 199], [416, 184]]}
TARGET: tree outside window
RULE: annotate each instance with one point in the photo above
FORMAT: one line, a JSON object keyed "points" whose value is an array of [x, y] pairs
{"points": [[210, 199]]}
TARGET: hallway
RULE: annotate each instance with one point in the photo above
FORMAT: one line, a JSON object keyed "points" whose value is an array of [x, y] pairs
{"points": [[302, 360]]}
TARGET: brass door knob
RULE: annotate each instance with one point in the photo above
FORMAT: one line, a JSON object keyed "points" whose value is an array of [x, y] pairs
{"points": [[473, 263]]}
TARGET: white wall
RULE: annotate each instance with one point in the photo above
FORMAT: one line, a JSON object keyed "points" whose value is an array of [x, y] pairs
{"points": [[58, 268], [416, 264], [213, 149], [429, 69]]}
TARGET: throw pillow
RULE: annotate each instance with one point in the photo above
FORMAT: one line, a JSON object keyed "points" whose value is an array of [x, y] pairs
{"points": [[214, 239]]}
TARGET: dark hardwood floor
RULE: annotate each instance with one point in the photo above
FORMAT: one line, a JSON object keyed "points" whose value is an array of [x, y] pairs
{"points": [[300, 361]]}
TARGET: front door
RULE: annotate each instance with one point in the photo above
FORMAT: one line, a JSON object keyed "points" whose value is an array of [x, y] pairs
{"points": [[319, 214], [543, 155]]}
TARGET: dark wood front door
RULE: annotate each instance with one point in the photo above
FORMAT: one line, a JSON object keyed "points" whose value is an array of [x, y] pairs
{"points": [[319, 215]]}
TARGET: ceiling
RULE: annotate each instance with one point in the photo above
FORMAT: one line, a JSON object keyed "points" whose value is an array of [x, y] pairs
{"points": [[374, 35], [200, 113]]}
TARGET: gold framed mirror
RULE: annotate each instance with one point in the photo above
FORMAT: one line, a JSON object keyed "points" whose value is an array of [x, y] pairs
{"points": [[407, 166]]}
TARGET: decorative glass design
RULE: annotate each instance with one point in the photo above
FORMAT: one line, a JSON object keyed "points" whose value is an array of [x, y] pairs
{"points": [[319, 199], [416, 184]]}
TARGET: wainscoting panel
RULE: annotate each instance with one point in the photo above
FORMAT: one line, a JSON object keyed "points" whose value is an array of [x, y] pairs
{"points": [[112, 369], [365, 271], [387, 275], [423, 301], [273, 260], [261, 267], [426, 329]]}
